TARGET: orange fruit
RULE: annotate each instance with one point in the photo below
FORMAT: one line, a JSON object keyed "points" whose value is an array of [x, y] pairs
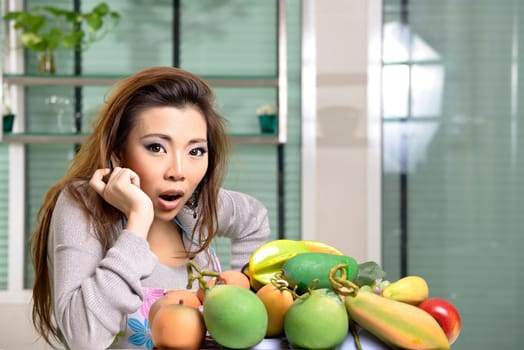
{"points": [[201, 293], [178, 326], [181, 296], [277, 303], [233, 277], [230, 277]]}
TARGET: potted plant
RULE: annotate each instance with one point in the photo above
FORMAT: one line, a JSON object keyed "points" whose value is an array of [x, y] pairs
{"points": [[48, 28], [7, 115], [267, 117]]}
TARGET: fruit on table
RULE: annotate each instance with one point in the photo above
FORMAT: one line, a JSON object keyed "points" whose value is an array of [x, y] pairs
{"points": [[277, 299], [178, 326], [396, 323], [317, 320], [178, 296], [303, 268], [446, 315], [317, 246], [234, 316], [267, 260], [410, 289], [201, 291], [232, 277]]}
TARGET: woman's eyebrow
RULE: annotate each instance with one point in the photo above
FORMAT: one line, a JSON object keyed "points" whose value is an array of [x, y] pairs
{"points": [[169, 138], [162, 136], [198, 140]]}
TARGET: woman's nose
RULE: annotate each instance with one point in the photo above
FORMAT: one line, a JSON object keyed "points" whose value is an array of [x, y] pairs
{"points": [[175, 168]]}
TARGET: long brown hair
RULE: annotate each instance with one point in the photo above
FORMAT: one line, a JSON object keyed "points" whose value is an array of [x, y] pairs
{"points": [[156, 86]]}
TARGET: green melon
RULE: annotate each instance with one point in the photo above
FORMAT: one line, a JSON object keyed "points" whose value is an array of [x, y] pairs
{"points": [[234, 316], [317, 321]]}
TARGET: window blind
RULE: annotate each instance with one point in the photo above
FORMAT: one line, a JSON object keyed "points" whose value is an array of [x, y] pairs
{"points": [[452, 184], [226, 38]]}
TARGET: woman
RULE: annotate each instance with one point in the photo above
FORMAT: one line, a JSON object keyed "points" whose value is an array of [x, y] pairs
{"points": [[141, 198]]}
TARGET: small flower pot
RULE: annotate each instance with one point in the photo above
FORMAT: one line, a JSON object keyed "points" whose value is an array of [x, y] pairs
{"points": [[7, 122], [268, 123]]}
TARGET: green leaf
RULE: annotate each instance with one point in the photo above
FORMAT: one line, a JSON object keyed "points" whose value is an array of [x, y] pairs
{"points": [[72, 40], [101, 9], [34, 41], [12, 15], [115, 15], [94, 21], [73, 17], [51, 27], [368, 273]]}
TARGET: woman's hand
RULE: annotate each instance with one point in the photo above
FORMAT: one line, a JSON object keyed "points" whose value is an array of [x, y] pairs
{"points": [[122, 191]]}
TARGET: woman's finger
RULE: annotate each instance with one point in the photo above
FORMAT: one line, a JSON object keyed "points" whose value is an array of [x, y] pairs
{"points": [[135, 179], [97, 180]]}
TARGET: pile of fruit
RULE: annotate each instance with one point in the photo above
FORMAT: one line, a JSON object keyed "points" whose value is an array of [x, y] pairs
{"points": [[308, 292]]}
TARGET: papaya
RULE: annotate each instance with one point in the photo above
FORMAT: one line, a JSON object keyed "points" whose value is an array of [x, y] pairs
{"points": [[398, 324], [302, 269]]}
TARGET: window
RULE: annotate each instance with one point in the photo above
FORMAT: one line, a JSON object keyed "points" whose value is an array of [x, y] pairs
{"points": [[233, 38], [452, 158]]}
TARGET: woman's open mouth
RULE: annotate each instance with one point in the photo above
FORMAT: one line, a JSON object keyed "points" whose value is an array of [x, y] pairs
{"points": [[170, 201], [170, 197]]}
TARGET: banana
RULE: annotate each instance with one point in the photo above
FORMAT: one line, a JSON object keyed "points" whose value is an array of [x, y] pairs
{"points": [[396, 323], [410, 289]]}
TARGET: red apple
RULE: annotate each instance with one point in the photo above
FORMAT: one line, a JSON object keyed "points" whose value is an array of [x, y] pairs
{"points": [[446, 315]]}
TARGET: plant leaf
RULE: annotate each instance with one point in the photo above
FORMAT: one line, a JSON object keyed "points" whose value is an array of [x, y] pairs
{"points": [[101, 9], [368, 273], [94, 21]]}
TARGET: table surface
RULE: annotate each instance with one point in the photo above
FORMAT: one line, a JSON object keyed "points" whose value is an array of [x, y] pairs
{"points": [[367, 341]]}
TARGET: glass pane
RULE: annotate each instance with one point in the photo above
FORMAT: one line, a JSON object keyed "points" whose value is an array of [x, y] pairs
{"points": [[395, 85], [452, 170], [45, 164], [242, 43], [229, 37], [50, 109], [238, 105], [143, 38]]}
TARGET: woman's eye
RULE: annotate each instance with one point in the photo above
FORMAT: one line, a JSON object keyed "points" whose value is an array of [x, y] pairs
{"points": [[198, 152], [156, 147]]}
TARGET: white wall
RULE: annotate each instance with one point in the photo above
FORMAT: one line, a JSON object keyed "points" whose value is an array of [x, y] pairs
{"points": [[16, 329], [348, 134], [347, 178]]}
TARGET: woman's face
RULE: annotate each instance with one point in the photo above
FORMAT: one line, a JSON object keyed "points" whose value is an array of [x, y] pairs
{"points": [[167, 148]]}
